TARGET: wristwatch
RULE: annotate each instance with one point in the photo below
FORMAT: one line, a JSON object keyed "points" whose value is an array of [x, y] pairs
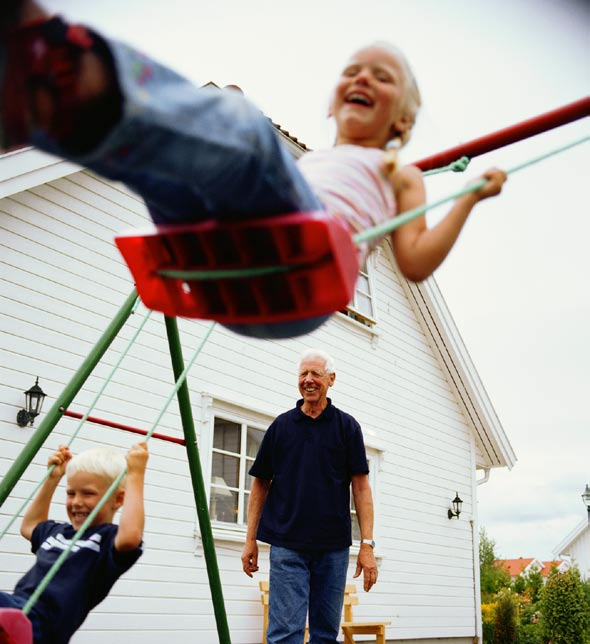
{"points": [[368, 542]]}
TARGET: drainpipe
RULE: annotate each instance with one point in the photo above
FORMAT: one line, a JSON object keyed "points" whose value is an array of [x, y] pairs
{"points": [[474, 543], [486, 476]]}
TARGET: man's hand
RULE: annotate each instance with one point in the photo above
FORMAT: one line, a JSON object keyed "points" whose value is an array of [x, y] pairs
{"points": [[367, 564], [250, 558]]}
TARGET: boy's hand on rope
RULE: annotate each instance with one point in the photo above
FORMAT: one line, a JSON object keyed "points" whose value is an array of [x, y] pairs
{"points": [[137, 458], [495, 179], [60, 459]]}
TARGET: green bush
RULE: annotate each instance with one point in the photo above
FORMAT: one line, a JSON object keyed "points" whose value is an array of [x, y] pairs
{"points": [[530, 634], [534, 586], [488, 633], [492, 577], [564, 608], [505, 624], [529, 629]]}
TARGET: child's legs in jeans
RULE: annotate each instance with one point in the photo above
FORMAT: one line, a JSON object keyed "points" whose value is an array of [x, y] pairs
{"points": [[192, 153]]}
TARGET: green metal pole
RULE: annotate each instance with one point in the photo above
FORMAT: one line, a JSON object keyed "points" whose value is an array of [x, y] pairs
{"points": [[68, 394], [196, 472]]}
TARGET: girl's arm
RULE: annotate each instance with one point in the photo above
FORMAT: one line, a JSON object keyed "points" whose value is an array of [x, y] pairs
{"points": [[419, 250], [131, 523], [38, 510]]}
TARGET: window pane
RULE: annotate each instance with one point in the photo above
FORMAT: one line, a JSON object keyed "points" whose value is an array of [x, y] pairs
{"points": [[235, 446], [226, 435], [223, 505], [364, 304], [362, 283], [226, 470], [253, 440]]}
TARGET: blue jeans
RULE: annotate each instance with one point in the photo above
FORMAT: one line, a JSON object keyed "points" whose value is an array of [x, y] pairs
{"points": [[302, 582], [194, 154]]}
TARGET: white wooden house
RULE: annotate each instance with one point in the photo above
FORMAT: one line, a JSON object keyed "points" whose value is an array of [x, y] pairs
{"points": [[575, 547], [402, 371]]}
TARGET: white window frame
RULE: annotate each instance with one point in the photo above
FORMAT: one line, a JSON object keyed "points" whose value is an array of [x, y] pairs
{"points": [[211, 408], [352, 312], [245, 462]]}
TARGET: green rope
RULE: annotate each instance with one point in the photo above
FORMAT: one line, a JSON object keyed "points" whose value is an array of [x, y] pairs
{"points": [[225, 273], [113, 487], [82, 420], [460, 165], [392, 224]]}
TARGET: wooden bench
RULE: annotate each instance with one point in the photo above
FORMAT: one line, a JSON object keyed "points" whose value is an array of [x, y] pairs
{"points": [[349, 626]]}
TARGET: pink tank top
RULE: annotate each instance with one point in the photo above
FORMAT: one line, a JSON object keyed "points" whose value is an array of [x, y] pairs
{"points": [[351, 184]]}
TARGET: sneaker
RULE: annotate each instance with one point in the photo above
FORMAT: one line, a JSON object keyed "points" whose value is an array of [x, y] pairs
{"points": [[39, 70], [10, 11]]}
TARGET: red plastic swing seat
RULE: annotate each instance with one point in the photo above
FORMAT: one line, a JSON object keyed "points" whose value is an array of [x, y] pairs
{"points": [[15, 627], [317, 248]]}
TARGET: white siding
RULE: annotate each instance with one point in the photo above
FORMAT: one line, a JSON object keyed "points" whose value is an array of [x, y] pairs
{"points": [[62, 281], [576, 547]]}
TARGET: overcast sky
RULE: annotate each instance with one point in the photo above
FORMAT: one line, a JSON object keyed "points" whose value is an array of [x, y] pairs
{"points": [[517, 283]]}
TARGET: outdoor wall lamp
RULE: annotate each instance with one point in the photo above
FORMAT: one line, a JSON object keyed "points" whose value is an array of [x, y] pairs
{"points": [[457, 503], [586, 499], [34, 398]]}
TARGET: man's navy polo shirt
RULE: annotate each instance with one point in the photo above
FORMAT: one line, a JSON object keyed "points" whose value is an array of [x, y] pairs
{"points": [[310, 462]]}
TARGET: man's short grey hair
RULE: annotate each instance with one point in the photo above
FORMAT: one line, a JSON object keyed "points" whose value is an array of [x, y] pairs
{"points": [[308, 354]]}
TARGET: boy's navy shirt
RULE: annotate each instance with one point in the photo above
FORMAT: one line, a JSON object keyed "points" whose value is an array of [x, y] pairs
{"points": [[310, 462], [83, 581]]}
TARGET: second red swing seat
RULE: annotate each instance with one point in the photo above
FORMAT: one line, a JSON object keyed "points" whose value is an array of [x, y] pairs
{"points": [[15, 627], [318, 250]]}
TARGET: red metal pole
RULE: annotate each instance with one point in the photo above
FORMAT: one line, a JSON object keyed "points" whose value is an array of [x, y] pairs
{"points": [[511, 134], [127, 428]]}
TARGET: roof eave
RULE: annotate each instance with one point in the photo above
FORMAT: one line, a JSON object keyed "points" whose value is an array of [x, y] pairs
{"points": [[29, 167], [570, 538], [489, 434]]}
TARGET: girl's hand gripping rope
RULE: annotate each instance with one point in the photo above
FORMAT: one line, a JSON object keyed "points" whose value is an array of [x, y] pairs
{"points": [[495, 179]]}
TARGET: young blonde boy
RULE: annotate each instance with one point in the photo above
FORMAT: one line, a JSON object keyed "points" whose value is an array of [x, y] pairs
{"points": [[105, 550]]}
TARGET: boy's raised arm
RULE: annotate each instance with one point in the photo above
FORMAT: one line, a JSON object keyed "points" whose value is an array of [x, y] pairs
{"points": [[38, 509], [131, 524]]}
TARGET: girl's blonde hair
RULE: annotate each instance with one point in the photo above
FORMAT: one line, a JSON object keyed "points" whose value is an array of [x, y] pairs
{"points": [[410, 105], [412, 98], [105, 462]]}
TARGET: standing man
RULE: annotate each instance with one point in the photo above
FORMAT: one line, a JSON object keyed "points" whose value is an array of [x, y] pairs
{"points": [[300, 504]]}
